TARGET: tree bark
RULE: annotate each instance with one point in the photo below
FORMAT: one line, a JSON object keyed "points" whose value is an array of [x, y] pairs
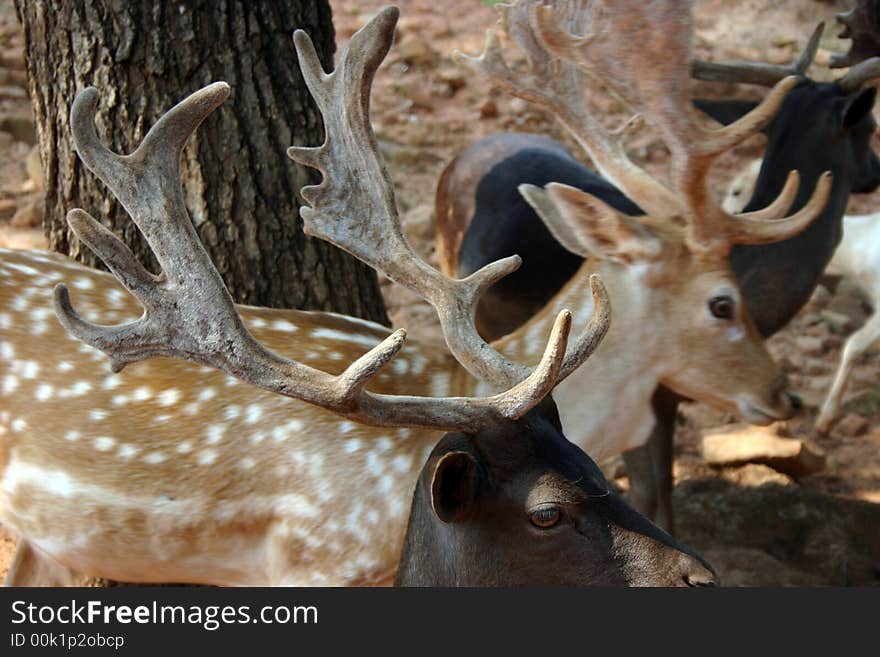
{"points": [[241, 190]]}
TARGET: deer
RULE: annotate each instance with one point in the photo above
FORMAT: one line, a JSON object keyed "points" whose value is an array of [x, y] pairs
{"points": [[481, 214], [857, 257], [166, 467]]}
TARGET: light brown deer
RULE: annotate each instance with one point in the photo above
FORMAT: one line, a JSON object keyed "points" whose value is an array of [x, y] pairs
{"points": [[679, 316], [172, 472]]}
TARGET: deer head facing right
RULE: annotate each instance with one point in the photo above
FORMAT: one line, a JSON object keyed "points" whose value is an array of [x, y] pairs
{"points": [[520, 505]]}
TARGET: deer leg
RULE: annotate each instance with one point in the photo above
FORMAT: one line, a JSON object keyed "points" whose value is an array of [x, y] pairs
{"points": [[30, 567], [649, 467], [855, 346]]}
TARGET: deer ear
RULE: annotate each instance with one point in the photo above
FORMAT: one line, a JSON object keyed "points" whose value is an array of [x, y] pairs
{"points": [[454, 486], [858, 106], [587, 226]]}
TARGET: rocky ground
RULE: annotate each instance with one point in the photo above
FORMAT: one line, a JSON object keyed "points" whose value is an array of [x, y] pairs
{"points": [[812, 518]]}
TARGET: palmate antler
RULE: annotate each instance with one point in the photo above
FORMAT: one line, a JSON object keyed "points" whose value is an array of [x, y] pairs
{"points": [[617, 43], [189, 314]]}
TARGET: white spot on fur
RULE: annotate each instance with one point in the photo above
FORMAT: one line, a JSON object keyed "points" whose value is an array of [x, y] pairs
{"points": [[294, 426], [402, 462], [168, 397], [440, 385], [353, 445], [214, 433], [346, 427], [284, 325], [247, 463], [143, 393], [120, 400], [65, 366], [155, 458], [19, 424], [206, 394], [72, 436], [185, 447], [333, 335], [5, 321], [127, 451], [111, 382], [279, 434], [7, 351], [207, 457], [384, 443], [103, 443], [30, 369], [10, 384], [44, 392], [98, 414], [253, 413], [232, 412], [256, 322], [83, 283], [257, 437]]}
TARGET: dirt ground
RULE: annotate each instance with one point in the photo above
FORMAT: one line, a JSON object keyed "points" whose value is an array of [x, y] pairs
{"points": [[756, 525]]}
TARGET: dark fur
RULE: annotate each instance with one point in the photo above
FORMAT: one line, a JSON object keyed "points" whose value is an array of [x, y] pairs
{"points": [[469, 523]]}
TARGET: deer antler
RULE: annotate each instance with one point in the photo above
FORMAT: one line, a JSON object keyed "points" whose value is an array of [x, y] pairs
{"points": [[658, 88], [861, 24], [759, 73], [354, 207], [189, 314]]}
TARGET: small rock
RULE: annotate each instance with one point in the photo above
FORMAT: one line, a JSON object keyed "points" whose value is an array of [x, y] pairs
{"points": [[20, 127], [34, 167], [837, 322], [852, 425], [820, 296], [7, 208], [29, 215], [519, 106], [489, 109], [740, 444], [416, 51], [809, 344], [756, 474]]}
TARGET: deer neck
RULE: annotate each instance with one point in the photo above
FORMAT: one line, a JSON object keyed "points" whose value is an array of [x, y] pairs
{"points": [[605, 404]]}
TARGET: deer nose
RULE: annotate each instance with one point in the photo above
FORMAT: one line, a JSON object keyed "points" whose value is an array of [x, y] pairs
{"points": [[699, 574]]}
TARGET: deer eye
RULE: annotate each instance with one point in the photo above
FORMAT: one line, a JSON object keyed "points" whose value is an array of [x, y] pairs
{"points": [[545, 516], [721, 307]]}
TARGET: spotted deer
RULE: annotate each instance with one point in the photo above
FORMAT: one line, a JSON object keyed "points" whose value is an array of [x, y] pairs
{"points": [[161, 470]]}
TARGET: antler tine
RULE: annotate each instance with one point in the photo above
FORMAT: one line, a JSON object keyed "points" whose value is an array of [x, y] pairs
{"points": [[759, 73], [557, 85], [354, 207], [660, 90], [859, 75], [189, 314]]}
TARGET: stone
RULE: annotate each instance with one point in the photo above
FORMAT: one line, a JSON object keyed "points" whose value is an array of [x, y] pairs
{"points": [[20, 127], [756, 474], [809, 344], [837, 322], [29, 215], [852, 425], [739, 444], [821, 295], [488, 109], [414, 50], [7, 208]]}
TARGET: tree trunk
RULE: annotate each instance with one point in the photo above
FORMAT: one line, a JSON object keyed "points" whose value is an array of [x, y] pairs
{"points": [[240, 187]]}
